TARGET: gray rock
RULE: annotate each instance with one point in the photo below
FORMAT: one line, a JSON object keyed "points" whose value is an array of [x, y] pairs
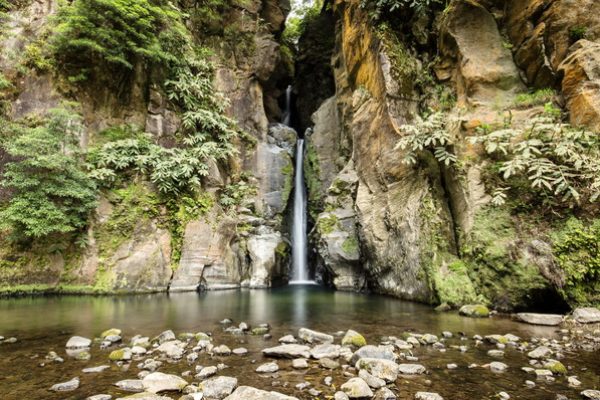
{"points": [[164, 337], [300, 363], [326, 350], [288, 351], [384, 394], [411, 369], [369, 351], [144, 396], [95, 370], [219, 387], [310, 336], [328, 363], [591, 394], [428, 396], [586, 315], [206, 372], [540, 319], [249, 393], [474, 311], [340, 396], [130, 385], [240, 351], [222, 350], [540, 352], [371, 380], [99, 397], [66, 386], [498, 366], [288, 339], [495, 353], [268, 368], [356, 388], [157, 382], [353, 338], [173, 349], [78, 342], [386, 369]]}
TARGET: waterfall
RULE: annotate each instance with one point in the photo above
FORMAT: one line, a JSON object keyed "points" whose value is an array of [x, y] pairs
{"points": [[299, 240]]}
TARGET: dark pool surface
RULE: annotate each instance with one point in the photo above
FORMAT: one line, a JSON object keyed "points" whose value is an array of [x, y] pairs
{"points": [[42, 324]]}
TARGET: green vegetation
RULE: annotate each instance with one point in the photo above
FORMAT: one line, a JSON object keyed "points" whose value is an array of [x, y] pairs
{"points": [[378, 9], [350, 245], [51, 192], [327, 224], [535, 98], [405, 67], [577, 250], [296, 24], [97, 38], [577, 33], [453, 285]]}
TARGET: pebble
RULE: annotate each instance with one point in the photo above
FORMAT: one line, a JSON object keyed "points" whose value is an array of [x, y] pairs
{"points": [[66, 386]]}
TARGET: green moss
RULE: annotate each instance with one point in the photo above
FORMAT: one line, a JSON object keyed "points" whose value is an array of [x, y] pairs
{"points": [[312, 176], [475, 311], [350, 245], [577, 250], [453, 285], [556, 367], [282, 249], [354, 339], [405, 67], [288, 173], [327, 224], [577, 33], [116, 355], [535, 98]]}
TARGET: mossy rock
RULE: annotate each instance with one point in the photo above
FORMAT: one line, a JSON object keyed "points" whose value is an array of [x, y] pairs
{"points": [[110, 332], [474, 311], [260, 331], [186, 336], [556, 367], [202, 336], [120, 355], [353, 338], [83, 356]]}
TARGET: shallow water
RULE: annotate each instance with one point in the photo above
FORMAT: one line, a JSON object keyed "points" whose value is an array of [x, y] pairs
{"points": [[45, 323]]}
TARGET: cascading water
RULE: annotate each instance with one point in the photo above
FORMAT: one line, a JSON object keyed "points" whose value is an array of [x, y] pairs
{"points": [[299, 240]]}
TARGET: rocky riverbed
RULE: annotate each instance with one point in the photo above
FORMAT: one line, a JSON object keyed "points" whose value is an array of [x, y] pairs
{"points": [[235, 360]]}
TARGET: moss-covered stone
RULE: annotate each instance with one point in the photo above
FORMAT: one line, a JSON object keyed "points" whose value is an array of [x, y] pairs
{"points": [[474, 311], [453, 285], [326, 224], [556, 367], [355, 339], [110, 332]]}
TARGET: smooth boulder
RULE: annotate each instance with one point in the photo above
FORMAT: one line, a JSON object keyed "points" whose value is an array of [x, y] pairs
{"points": [[157, 382], [540, 319], [250, 393], [288, 351]]}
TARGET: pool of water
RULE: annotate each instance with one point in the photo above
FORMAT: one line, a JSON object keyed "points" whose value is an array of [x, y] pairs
{"points": [[42, 324]]}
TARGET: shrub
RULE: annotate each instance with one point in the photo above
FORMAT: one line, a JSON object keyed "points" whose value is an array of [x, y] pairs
{"points": [[379, 8], [536, 98], [51, 192]]}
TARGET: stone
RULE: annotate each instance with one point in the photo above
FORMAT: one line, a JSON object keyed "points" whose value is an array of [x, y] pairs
{"points": [[384, 394], [543, 373], [540, 352], [370, 351], [144, 396], [591, 394], [371, 380], [428, 396], [573, 381], [111, 332], [300, 363], [78, 342], [173, 349], [587, 315], [540, 319], [157, 382], [328, 363], [218, 388], [138, 350], [310, 336], [123, 354], [268, 368], [288, 351], [99, 397], [353, 338], [411, 369], [240, 351], [222, 350], [474, 311], [206, 372], [68, 386], [498, 366], [249, 393], [325, 350], [165, 336], [556, 367], [340, 396], [288, 339], [356, 388], [130, 385], [385, 369], [495, 353], [429, 339], [95, 370]]}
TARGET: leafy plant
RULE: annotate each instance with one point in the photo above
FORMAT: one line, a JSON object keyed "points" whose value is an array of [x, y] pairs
{"points": [[577, 33], [235, 193], [535, 98], [557, 159], [377, 8], [51, 192], [429, 134]]}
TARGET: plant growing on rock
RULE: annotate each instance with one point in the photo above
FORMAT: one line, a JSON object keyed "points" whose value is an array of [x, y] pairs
{"points": [[556, 159], [50, 191], [428, 134]]}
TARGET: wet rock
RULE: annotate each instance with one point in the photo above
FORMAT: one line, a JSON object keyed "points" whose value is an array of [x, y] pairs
{"points": [[300, 363], [371, 380], [451, 366], [429, 339], [586, 315], [99, 397], [260, 331], [206, 372], [498, 366], [164, 337], [556, 367], [474, 311], [356, 388], [385, 369], [411, 369], [141, 341], [573, 381], [503, 395], [325, 350], [173, 349], [543, 373], [340, 396], [145, 396], [130, 385], [219, 387], [222, 350], [328, 363], [369, 351], [66, 386], [78, 342], [150, 365], [591, 394], [95, 370], [157, 382], [310, 336], [384, 394], [123, 354], [249, 393], [428, 396], [288, 339], [496, 353], [540, 319], [288, 351], [240, 351], [268, 368], [138, 350], [540, 352], [353, 338]]}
